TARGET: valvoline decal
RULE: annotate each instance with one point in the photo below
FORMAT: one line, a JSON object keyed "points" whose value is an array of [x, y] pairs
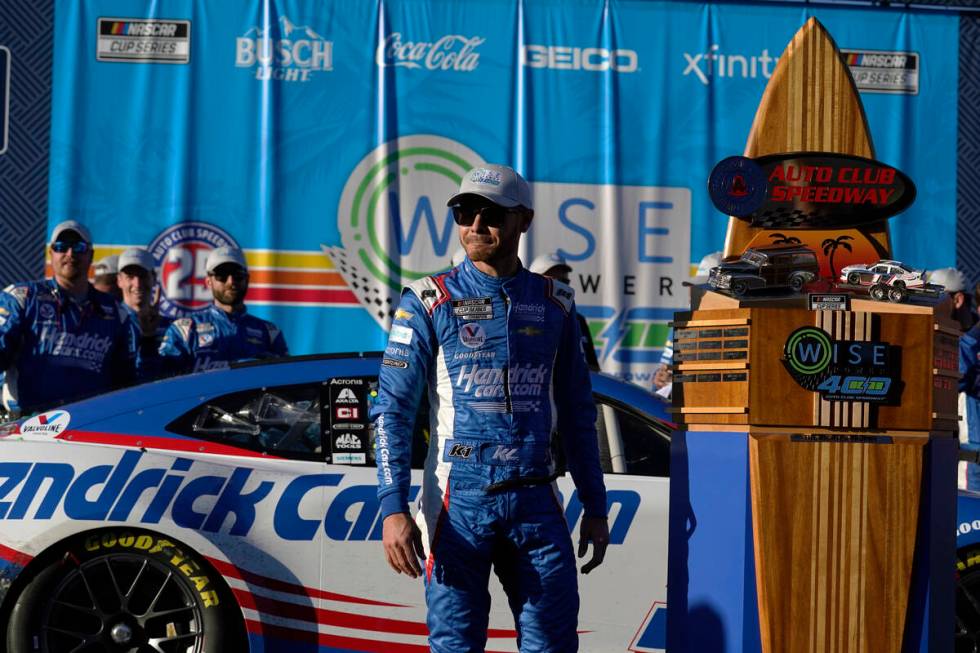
{"points": [[112, 492]]}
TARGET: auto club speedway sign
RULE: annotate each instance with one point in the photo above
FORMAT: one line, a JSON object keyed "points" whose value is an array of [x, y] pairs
{"points": [[628, 245]]}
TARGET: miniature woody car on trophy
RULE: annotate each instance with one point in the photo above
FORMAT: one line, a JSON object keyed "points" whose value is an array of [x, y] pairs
{"points": [[766, 267]]}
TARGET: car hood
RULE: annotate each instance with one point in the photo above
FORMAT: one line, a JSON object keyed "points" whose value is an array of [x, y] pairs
{"points": [[738, 266]]}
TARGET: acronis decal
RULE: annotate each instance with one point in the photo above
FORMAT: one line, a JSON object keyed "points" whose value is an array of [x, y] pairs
{"points": [[121, 492]]}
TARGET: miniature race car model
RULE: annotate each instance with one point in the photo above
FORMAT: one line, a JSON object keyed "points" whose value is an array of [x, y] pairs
{"points": [[766, 267], [889, 280]]}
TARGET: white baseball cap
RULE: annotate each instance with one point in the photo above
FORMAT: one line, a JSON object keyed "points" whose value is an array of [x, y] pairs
{"points": [[549, 260], [499, 184], [70, 225], [222, 255], [136, 256], [106, 265], [950, 278]]}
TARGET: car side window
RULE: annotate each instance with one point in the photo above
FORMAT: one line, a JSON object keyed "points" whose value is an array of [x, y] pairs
{"points": [[645, 444], [283, 420]]}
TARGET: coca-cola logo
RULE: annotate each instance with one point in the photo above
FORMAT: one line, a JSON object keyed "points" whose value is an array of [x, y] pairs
{"points": [[451, 52]]}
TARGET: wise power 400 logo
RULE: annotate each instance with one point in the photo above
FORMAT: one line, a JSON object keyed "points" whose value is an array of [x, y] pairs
{"points": [[841, 370], [393, 220], [180, 254]]}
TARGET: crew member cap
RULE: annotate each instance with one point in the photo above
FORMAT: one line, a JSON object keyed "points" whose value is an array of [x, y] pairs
{"points": [[106, 265], [70, 225], [950, 278], [499, 184], [136, 256], [223, 255], [547, 261]]}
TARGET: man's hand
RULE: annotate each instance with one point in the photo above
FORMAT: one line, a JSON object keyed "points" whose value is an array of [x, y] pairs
{"points": [[403, 544], [662, 376], [595, 530]]}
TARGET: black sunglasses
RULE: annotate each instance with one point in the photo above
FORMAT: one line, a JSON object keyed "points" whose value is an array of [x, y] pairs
{"points": [[222, 276], [490, 215], [78, 247]]}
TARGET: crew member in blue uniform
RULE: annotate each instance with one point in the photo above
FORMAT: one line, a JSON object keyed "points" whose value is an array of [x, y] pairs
{"points": [[224, 332], [499, 349], [136, 278], [61, 339]]}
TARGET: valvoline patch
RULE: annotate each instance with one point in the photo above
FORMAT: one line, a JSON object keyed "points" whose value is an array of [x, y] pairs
{"points": [[52, 422]]}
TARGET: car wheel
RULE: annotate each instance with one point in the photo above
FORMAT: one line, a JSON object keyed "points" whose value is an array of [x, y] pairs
{"points": [[967, 638], [122, 590], [897, 294], [853, 278], [878, 292], [797, 282], [740, 287]]}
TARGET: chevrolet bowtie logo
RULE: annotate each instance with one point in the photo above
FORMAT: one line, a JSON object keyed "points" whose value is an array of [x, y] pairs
{"points": [[529, 331]]}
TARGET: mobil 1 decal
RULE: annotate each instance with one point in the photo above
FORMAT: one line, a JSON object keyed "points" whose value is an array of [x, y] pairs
{"points": [[809, 190], [843, 370], [347, 408]]}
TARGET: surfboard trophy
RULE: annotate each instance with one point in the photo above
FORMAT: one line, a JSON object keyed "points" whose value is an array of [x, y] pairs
{"points": [[812, 498]]}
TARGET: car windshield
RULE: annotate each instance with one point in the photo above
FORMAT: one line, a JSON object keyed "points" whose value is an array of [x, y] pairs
{"points": [[904, 267], [755, 258]]}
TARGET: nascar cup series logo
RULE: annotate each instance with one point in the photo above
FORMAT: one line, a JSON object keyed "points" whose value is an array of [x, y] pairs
{"points": [[393, 220], [180, 254]]}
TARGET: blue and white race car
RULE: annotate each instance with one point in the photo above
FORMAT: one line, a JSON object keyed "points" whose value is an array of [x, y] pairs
{"points": [[236, 510]]}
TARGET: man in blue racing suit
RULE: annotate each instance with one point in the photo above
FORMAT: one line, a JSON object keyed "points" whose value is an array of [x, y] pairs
{"points": [[136, 280], [498, 348], [224, 332], [61, 339]]}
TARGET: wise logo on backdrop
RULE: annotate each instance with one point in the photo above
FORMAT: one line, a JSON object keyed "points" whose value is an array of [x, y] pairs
{"points": [[394, 224]]}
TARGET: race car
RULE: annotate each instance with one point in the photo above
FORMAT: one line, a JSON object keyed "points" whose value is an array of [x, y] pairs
{"points": [[891, 273], [236, 510]]}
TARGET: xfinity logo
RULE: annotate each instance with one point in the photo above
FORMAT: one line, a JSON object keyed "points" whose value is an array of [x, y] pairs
{"points": [[284, 52], [561, 57], [450, 52], [705, 65]]}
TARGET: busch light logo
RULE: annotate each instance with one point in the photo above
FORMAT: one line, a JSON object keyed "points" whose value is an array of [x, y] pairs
{"points": [[451, 52], [284, 52], [180, 253], [393, 220]]}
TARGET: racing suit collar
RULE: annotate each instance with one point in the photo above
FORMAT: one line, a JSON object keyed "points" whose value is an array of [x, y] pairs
{"points": [[231, 317], [490, 283]]}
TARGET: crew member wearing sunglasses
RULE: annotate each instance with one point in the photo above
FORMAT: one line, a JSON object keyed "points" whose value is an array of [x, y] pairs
{"points": [[224, 332], [61, 339], [499, 349]]}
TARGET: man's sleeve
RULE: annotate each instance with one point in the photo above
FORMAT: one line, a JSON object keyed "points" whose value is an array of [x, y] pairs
{"points": [[175, 351], [13, 301], [126, 365], [278, 341], [968, 362], [576, 419], [403, 377]]}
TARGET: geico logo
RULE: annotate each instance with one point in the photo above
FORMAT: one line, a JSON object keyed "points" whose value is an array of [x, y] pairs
{"points": [[111, 492], [304, 53], [560, 57]]}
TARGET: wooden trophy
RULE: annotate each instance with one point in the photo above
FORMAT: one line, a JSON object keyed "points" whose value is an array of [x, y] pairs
{"points": [[813, 474]]}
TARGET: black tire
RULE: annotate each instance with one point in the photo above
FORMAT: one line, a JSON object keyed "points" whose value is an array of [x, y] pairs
{"points": [[854, 278], [879, 292], [120, 581], [967, 638], [740, 287], [797, 282], [897, 293]]}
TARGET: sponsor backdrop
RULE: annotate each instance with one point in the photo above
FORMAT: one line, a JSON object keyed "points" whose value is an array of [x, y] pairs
{"points": [[325, 137]]}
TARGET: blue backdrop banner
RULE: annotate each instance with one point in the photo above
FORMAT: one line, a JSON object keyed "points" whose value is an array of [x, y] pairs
{"points": [[324, 137]]}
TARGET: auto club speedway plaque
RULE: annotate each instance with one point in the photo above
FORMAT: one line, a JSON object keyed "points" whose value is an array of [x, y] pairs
{"points": [[813, 472]]}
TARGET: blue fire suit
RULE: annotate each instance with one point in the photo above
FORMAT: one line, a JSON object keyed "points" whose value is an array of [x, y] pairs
{"points": [[504, 367], [212, 338], [151, 365], [970, 384], [57, 349]]}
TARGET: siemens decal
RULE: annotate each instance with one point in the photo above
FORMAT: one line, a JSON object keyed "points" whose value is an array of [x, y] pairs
{"points": [[122, 493]]}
